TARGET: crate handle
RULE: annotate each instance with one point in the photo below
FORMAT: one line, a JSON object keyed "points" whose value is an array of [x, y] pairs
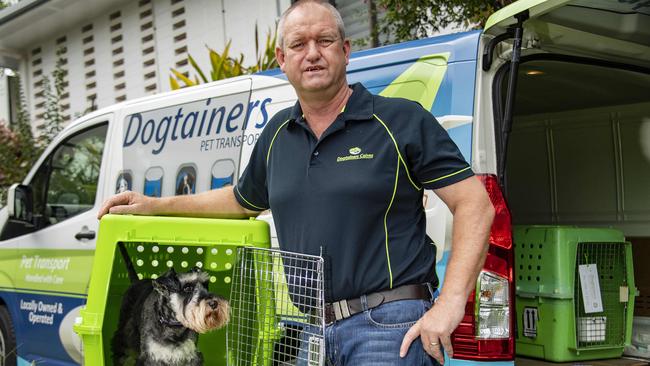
{"points": [[86, 323]]}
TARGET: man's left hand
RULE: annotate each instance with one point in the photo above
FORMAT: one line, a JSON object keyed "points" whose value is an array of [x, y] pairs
{"points": [[434, 330]]}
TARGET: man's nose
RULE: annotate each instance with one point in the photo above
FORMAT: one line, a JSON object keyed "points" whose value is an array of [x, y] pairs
{"points": [[313, 52]]}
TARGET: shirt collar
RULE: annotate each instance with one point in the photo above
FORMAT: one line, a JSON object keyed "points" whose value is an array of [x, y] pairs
{"points": [[359, 106]]}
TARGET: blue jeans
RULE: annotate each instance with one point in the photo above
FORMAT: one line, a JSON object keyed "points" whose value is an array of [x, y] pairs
{"points": [[373, 337]]}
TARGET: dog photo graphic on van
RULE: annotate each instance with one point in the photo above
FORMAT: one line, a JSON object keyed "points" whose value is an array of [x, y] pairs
{"points": [[124, 182], [185, 181]]}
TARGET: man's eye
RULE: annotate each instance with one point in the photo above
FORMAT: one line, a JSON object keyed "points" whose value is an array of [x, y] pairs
{"points": [[296, 45], [325, 42]]}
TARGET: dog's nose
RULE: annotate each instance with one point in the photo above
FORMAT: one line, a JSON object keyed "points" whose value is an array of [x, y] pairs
{"points": [[213, 303]]}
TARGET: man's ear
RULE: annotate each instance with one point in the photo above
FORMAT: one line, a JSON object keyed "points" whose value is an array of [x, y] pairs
{"points": [[279, 56], [347, 49]]}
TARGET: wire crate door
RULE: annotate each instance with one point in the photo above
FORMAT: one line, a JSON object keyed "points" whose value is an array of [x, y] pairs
{"points": [[600, 280], [277, 309]]}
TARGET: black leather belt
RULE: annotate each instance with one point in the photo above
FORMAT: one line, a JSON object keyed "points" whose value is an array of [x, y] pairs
{"points": [[343, 309]]}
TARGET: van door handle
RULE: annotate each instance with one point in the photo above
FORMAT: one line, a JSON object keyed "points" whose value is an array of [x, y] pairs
{"points": [[85, 234]]}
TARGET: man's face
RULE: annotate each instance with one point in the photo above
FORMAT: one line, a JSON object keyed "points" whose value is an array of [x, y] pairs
{"points": [[313, 55]]}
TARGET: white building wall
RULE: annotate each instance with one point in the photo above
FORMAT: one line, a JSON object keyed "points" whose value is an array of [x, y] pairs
{"points": [[4, 98], [127, 52], [243, 15], [132, 68], [76, 79]]}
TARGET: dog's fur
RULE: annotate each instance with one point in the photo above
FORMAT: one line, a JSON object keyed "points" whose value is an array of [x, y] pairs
{"points": [[160, 320]]}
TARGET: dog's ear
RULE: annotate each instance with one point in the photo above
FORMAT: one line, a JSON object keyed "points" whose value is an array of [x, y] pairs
{"points": [[203, 277], [167, 283]]}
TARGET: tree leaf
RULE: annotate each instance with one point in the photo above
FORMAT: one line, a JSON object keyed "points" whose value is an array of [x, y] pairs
{"points": [[221, 65], [215, 58], [197, 68], [183, 78], [173, 83]]}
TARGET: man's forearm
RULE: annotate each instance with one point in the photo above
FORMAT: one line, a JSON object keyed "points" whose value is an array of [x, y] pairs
{"points": [[218, 203], [470, 233], [473, 214]]}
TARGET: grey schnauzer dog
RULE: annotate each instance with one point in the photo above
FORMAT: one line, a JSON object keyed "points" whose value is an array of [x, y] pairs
{"points": [[160, 319]]}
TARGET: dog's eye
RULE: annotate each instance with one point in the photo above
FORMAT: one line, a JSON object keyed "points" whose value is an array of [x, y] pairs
{"points": [[188, 288]]}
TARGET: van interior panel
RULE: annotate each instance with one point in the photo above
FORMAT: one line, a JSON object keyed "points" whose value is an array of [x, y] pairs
{"points": [[579, 152]]}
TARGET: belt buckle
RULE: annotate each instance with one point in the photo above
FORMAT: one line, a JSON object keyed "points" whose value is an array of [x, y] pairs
{"points": [[341, 309], [336, 311]]}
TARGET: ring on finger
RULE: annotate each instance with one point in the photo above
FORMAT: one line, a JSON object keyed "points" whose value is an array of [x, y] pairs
{"points": [[433, 344]]}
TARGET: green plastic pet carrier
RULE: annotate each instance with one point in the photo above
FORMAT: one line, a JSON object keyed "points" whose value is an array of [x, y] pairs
{"points": [[155, 244], [575, 292]]}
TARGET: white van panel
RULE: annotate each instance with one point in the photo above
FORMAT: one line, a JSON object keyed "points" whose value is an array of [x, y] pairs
{"points": [[278, 94]]}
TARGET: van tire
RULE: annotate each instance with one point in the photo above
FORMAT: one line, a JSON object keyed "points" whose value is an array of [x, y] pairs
{"points": [[7, 339]]}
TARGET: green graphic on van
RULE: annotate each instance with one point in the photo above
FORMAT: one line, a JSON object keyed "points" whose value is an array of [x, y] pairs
{"points": [[46, 270], [420, 82]]}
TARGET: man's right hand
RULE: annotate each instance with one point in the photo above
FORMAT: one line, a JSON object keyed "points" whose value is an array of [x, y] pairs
{"points": [[128, 203]]}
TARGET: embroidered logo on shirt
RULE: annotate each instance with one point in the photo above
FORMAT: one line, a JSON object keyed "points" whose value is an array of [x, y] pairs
{"points": [[355, 154]]}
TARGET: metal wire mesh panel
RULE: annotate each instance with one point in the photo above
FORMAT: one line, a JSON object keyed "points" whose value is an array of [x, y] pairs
{"points": [[277, 309], [606, 327]]}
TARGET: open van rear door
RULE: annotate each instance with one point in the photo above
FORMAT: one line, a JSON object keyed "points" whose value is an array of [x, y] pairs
{"points": [[617, 31], [607, 30]]}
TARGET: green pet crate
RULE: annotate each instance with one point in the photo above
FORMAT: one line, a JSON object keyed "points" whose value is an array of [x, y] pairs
{"points": [[155, 244], [553, 322]]}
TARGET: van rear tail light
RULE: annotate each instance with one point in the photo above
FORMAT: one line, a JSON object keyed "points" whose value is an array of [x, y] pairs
{"points": [[493, 320], [486, 331], [501, 233], [494, 290]]}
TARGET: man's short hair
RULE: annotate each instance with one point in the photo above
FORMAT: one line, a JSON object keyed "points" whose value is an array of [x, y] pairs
{"points": [[335, 14]]}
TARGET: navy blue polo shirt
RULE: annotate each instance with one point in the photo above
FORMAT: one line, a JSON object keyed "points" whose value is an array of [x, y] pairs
{"points": [[357, 191]]}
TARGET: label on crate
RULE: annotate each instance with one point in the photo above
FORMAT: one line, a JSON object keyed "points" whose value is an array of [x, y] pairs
{"points": [[623, 294], [590, 288], [530, 322]]}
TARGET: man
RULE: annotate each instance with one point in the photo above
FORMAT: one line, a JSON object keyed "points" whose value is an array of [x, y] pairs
{"points": [[344, 171]]}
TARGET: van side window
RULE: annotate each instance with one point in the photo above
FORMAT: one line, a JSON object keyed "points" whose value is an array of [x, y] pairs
{"points": [[66, 184]]}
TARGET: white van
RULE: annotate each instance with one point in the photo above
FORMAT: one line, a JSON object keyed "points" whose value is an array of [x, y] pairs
{"points": [[559, 128]]}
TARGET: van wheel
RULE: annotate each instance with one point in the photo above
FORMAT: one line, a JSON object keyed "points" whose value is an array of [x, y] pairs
{"points": [[7, 339]]}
